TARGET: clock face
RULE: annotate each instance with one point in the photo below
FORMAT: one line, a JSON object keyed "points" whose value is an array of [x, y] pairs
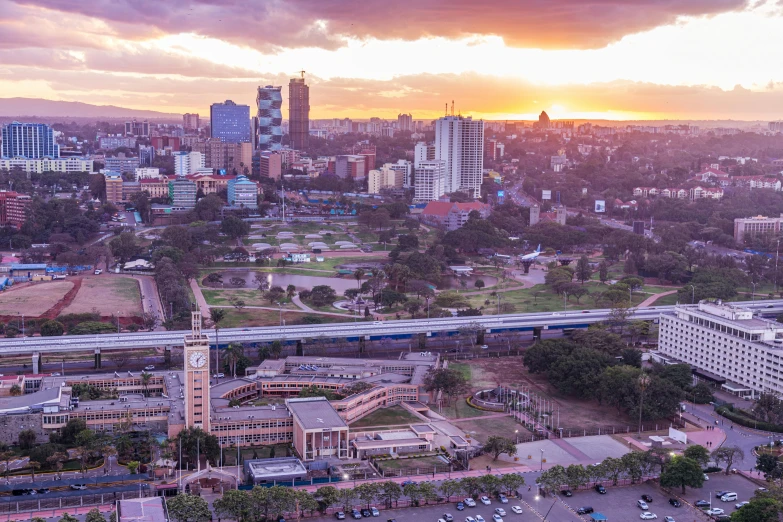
{"points": [[197, 360]]}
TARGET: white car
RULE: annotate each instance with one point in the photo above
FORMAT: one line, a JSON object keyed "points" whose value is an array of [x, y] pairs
{"points": [[648, 516], [500, 511], [715, 511], [516, 509], [641, 504], [503, 499], [740, 504], [706, 477], [149, 367], [470, 502], [479, 518], [485, 500], [668, 519], [470, 519], [497, 518]]}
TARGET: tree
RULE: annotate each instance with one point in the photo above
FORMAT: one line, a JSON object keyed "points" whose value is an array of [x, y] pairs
{"points": [[497, 445], [413, 492], [576, 476], [367, 492], [52, 328], [479, 284], [698, 453], [603, 272], [347, 496], [449, 488], [232, 353], [274, 294], [234, 504], [290, 291], [583, 272], [124, 247], [682, 472], [15, 390], [234, 227], [767, 463], [613, 468], [217, 315], [758, 510], [728, 454], [390, 492], [57, 460], [447, 381], [66, 517], [511, 481], [34, 465], [94, 516], [27, 440], [188, 508], [553, 478], [327, 496]]}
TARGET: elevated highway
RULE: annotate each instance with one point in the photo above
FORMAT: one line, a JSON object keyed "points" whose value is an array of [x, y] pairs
{"points": [[35, 346]]}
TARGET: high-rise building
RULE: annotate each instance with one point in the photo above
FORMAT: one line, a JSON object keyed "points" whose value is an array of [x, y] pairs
{"points": [[430, 180], [459, 141], [122, 163], [423, 152], [230, 122], [384, 178], [113, 181], [190, 122], [13, 208], [146, 155], [271, 164], [29, 140], [299, 113], [228, 157], [196, 355], [351, 166], [405, 122], [186, 163], [137, 128], [242, 192], [182, 192], [269, 119], [161, 143], [543, 120], [406, 168]]}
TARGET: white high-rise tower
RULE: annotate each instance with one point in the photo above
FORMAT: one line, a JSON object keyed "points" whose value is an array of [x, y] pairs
{"points": [[459, 141]]}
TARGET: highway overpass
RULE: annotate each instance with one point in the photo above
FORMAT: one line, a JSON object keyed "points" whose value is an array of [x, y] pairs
{"points": [[35, 346]]}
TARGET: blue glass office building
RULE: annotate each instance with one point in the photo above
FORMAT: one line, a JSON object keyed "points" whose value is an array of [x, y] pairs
{"points": [[28, 140], [230, 122]]}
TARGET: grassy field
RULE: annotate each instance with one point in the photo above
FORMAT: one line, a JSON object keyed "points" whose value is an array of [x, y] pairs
{"points": [[412, 463], [481, 429], [250, 297], [35, 299], [255, 317], [109, 294], [391, 416], [460, 409]]}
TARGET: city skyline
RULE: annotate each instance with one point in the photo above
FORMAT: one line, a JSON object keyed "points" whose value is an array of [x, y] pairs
{"points": [[681, 60]]}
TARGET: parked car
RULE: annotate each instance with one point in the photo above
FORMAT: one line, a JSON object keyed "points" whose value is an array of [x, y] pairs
{"points": [[647, 498], [715, 511], [719, 494], [503, 499], [740, 504], [460, 506], [516, 509], [648, 516], [586, 510], [78, 487], [668, 519], [500, 511], [149, 367], [406, 482], [42, 491], [641, 504], [355, 514], [479, 518], [674, 502], [470, 519], [470, 502], [729, 497], [485, 500], [447, 517], [702, 504], [366, 513], [377, 513], [497, 518], [600, 489], [566, 493], [339, 515]]}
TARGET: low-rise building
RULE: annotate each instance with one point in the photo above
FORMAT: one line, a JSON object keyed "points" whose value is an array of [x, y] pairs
{"points": [[122, 163], [182, 192], [41, 165], [242, 192], [383, 179], [452, 216], [756, 225]]}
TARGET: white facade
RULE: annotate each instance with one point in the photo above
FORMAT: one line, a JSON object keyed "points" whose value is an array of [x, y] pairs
{"points": [[187, 163], [459, 141], [384, 178], [728, 342], [430, 180], [38, 166], [406, 168], [422, 152], [147, 173]]}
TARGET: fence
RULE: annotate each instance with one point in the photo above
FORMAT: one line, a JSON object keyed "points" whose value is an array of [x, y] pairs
{"points": [[12, 505], [564, 433]]}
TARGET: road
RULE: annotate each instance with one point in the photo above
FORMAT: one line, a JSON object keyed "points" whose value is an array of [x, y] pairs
{"points": [[375, 330]]}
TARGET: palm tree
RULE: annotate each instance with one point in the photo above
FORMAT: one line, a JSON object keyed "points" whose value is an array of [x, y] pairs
{"points": [[232, 354], [644, 382], [57, 460], [216, 315], [145, 382], [359, 275], [33, 466]]}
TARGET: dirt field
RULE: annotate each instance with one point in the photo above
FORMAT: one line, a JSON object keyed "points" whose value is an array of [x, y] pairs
{"points": [[33, 300], [107, 295], [510, 371]]}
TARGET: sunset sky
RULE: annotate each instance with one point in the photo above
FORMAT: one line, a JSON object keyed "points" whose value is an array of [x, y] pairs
{"points": [[498, 59]]}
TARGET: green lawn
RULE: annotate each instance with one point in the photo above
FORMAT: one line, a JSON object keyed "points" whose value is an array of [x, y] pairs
{"points": [[391, 416], [250, 297], [255, 317], [412, 463], [667, 300], [464, 369], [460, 409]]}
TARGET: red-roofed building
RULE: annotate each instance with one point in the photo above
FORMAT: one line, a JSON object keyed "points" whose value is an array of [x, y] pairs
{"points": [[706, 193], [711, 174], [210, 183], [760, 182], [452, 216]]}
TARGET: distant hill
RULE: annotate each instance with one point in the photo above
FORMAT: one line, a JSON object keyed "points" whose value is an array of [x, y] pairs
{"points": [[40, 108]]}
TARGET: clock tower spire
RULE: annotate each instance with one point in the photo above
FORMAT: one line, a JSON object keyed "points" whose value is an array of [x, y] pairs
{"points": [[197, 375]]}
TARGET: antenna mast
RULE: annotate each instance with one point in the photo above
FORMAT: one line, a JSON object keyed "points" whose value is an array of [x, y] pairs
{"points": [[302, 73], [452, 107]]}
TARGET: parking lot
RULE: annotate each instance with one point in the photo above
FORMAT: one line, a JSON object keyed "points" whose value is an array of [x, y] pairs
{"points": [[619, 503], [738, 484]]}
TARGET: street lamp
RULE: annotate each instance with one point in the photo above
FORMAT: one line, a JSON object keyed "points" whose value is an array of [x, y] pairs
{"points": [[516, 436], [777, 251], [118, 321], [693, 294], [542, 460], [753, 295]]}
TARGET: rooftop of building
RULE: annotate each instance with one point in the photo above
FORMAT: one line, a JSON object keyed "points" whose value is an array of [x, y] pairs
{"points": [[442, 208], [315, 413], [263, 468], [242, 413], [147, 509]]}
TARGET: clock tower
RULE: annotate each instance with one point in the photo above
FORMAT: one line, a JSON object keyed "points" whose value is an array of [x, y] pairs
{"points": [[197, 375]]}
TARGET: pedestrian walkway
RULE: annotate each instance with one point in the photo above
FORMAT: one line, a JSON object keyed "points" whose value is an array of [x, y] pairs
{"points": [[574, 452], [650, 300]]}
